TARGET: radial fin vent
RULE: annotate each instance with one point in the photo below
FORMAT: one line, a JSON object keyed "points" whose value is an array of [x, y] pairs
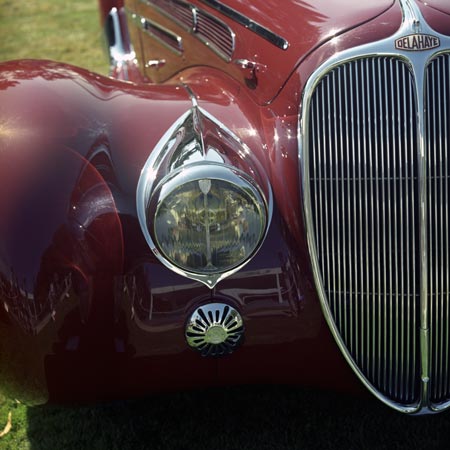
{"points": [[216, 329]]}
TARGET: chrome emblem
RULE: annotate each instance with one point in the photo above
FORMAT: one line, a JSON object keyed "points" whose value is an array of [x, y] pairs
{"points": [[417, 42], [215, 329]]}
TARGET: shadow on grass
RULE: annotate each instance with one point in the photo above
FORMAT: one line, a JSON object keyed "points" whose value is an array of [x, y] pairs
{"points": [[236, 418]]}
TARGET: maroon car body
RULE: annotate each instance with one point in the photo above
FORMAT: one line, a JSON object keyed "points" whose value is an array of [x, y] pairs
{"points": [[327, 125]]}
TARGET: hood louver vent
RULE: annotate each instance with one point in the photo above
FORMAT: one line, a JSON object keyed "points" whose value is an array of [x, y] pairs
{"points": [[215, 34], [211, 31], [179, 11]]}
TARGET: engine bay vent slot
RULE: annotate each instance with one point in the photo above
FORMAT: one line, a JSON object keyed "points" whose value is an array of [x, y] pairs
{"points": [[214, 33]]}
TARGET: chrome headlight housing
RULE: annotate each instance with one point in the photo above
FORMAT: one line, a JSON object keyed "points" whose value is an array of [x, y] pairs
{"points": [[202, 217]]}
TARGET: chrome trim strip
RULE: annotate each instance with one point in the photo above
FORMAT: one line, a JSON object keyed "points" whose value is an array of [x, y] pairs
{"points": [[413, 22], [121, 51], [251, 25], [194, 19]]}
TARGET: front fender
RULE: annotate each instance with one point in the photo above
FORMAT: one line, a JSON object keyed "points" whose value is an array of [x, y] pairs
{"points": [[61, 139], [86, 309]]}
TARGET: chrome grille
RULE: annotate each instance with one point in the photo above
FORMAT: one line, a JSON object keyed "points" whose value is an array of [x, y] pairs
{"points": [[437, 128], [374, 149], [363, 147]]}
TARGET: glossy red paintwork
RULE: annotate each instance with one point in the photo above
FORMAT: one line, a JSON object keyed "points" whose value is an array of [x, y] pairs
{"points": [[437, 14], [318, 22], [440, 5], [87, 312]]}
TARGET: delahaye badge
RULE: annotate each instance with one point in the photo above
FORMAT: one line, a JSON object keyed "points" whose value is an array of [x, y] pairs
{"points": [[417, 42]]}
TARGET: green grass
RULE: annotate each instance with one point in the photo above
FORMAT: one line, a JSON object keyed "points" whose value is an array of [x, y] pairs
{"points": [[247, 418], [66, 31], [233, 418]]}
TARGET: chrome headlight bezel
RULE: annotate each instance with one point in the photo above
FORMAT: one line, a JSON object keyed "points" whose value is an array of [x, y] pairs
{"points": [[183, 156]]}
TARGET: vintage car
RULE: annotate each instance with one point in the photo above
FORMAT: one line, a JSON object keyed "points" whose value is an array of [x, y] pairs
{"points": [[259, 193]]}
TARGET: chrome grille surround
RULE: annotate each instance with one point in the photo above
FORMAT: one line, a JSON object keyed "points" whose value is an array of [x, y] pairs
{"points": [[375, 189]]}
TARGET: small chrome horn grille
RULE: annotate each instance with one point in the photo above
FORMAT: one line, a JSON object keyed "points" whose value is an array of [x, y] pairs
{"points": [[215, 329]]}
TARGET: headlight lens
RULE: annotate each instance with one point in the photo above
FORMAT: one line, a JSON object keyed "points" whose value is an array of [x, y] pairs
{"points": [[208, 225]]}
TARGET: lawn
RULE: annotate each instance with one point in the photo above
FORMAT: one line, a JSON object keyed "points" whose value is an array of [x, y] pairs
{"points": [[247, 418], [278, 418], [53, 29]]}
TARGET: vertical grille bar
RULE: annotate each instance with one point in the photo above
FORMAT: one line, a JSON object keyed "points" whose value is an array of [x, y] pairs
{"points": [[437, 124], [363, 184]]}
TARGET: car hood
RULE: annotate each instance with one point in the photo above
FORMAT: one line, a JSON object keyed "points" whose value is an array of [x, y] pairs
{"points": [[312, 21], [439, 5], [304, 24]]}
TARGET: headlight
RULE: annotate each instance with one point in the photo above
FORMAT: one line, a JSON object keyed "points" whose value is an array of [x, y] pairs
{"points": [[207, 219], [203, 200]]}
